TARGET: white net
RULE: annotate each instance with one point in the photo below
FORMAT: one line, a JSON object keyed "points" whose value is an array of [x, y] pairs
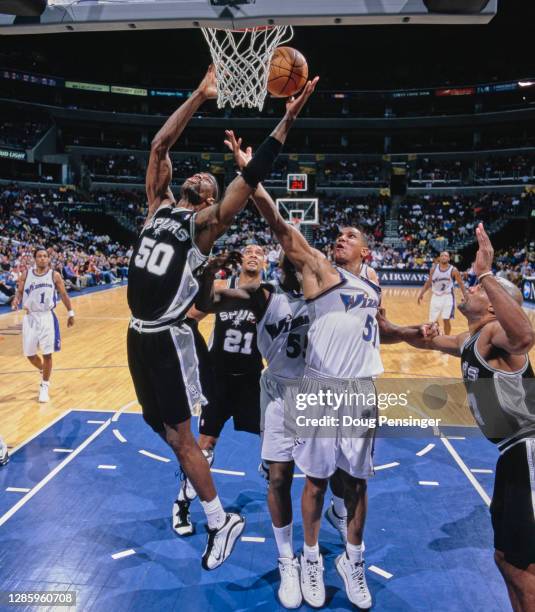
{"points": [[241, 59]]}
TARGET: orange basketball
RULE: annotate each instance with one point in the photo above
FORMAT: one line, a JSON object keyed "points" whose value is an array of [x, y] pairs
{"points": [[288, 72]]}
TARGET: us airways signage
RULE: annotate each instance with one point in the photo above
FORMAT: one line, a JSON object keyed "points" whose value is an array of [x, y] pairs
{"points": [[402, 277], [528, 288]]}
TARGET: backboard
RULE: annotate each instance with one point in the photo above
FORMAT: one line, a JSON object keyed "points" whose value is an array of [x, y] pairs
{"points": [[102, 15], [299, 211]]}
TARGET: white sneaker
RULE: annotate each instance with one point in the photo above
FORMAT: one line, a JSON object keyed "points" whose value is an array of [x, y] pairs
{"points": [[312, 585], [182, 524], [290, 589], [338, 522], [188, 490], [221, 541], [43, 393], [4, 455], [353, 575]]}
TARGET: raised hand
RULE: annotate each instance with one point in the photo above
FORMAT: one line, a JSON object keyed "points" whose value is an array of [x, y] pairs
{"points": [[242, 158], [485, 253], [294, 105], [208, 86]]}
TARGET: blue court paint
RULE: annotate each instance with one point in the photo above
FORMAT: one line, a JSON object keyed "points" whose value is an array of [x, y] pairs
{"points": [[436, 541]]}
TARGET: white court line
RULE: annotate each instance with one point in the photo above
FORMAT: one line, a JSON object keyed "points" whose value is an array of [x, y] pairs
{"points": [[428, 483], [95, 422], [38, 433], [425, 450], [455, 437], [17, 490], [252, 539], [107, 467], [466, 471], [116, 416], [119, 435], [481, 471], [386, 466], [228, 472], [6, 516], [300, 475], [123, 553], [62, 450], [153, 456], [380, 572]]}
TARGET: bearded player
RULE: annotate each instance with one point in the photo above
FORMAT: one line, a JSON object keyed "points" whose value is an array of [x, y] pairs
{"points": [[173, 246]]}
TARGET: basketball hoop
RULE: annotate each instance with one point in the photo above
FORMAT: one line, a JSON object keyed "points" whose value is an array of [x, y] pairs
{"points": [[241, 59]]}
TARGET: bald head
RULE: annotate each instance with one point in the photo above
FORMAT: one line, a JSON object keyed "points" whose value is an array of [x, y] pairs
{"points": [[511, 289]]}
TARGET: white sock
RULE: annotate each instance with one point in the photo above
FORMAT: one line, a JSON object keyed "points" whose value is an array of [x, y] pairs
{"points": [[339, 507], [45, 383], [311, 553], [355, 552], [284, 540], [214, 513]]}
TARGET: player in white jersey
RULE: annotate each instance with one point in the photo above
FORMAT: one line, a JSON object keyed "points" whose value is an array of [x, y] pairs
{"points": [[342, 307], [441, 281], [37, 289]]}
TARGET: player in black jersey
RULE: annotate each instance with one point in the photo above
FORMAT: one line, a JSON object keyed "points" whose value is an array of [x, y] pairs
{"points": [[172, 247], [499, 381], [235, 368]]}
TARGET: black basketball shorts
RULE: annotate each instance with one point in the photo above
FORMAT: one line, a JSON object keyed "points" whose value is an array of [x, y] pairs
{"points": [[165, 372], [513, 504], [232, 395]]}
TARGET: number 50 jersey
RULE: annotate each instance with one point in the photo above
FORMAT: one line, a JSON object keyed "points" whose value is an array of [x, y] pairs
{"points": [[162, 273]]}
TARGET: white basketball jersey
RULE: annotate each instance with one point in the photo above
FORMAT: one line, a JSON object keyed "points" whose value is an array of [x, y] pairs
{"points": [[282, 334], [343, 340], [442, 281], [39, 293]]}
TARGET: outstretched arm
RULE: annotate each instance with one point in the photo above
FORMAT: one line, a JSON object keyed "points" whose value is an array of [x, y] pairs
{"points": [[423, 336], [214, 220], [159, 168], [513, 333]]}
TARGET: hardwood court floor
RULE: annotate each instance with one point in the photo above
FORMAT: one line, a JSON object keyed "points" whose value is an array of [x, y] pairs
{"points": [[91, 371]]}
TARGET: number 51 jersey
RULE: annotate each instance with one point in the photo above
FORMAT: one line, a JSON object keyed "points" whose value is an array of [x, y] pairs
{"points": [[343, 339], [163, 268]]}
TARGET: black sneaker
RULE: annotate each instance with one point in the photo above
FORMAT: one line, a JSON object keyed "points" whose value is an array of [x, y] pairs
{"points": [[221, 541], [182, 524]]}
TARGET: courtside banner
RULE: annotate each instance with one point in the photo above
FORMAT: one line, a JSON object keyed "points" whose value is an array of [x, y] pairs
{"points": [[528, 289], [406, 277]]}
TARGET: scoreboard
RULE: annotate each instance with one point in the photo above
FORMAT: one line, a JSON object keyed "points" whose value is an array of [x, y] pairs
{"points": [[297, 182]]}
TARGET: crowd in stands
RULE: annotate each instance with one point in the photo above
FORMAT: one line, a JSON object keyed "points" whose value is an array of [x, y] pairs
{"points": [[31, 218], [20, 134]]}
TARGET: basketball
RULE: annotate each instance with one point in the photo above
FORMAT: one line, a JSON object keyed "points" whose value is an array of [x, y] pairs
{"points": [[288, 72]]}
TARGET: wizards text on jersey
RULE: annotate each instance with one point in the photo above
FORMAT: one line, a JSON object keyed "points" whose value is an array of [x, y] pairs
{"points": [[34, 286], [358, 300], [286, 325]]}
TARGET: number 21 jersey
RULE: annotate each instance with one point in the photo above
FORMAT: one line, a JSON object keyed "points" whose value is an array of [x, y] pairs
{"points": [[163, 268]]}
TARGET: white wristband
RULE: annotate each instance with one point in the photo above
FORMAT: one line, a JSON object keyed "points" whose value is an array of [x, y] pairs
{"points": [[483, 276], [70, 313]]}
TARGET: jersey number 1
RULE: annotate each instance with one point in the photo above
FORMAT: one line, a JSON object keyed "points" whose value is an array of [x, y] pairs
{"points": [[155, 257]]}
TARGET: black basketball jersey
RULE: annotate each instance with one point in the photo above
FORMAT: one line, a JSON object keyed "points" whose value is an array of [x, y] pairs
{"points": [[502, 403], [233, 346], [163, 268]]}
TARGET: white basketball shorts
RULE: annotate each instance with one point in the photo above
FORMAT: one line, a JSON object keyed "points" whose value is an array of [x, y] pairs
{"points": [[278, 433], [40, 330], [321, 449], [442, 307]]}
